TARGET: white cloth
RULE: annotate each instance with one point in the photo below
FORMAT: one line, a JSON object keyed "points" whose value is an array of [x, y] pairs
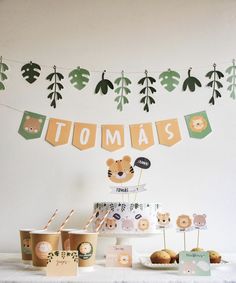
{"points": [[13, 270]]}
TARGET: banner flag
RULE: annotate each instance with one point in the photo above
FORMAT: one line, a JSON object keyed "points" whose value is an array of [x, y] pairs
{"points": [[112, 137], [141, 136], [58, 131], [168, 132], [84, 136]]}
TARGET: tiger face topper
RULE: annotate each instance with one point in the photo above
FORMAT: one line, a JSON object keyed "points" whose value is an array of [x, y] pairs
{"points": [[120, 171]]}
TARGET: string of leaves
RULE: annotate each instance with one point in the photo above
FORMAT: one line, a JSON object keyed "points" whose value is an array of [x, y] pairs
{"points": [[55, 86], [31, 72], [104, 85], [79, 77], [169, 79], [3, 76], [123, 90], [191, 82], [147, 91], [214, 84], [232, 79]]}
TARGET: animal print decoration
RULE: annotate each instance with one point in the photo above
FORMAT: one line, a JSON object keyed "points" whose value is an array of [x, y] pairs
{"points": [[120, 171], [31, 125]]}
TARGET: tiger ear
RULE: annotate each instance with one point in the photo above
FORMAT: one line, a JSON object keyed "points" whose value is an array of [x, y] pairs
{"points": [[126, 158], [110, 161]]}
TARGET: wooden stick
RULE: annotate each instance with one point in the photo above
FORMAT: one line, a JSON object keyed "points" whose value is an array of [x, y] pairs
{"points": [[64, 223], [90, 220], [164, 235], [103, 220], [50, 220], [184, 241], [198, 234], [139, 179]]}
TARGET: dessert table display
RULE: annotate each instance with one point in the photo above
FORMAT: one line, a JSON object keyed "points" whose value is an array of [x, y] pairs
{"points": [[13, 270]]}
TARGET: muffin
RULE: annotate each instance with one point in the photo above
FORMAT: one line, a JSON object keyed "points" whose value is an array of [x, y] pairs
{"points": [[172, 255], [197, 250], [214, 256], [160, 257]]}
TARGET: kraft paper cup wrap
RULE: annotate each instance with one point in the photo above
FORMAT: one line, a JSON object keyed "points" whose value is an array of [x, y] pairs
{"points": [[26, 251], [65, 239], [43, 242], [86, 244]]}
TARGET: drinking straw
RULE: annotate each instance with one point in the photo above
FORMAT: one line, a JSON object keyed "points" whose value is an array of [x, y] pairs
{"points": [[64, 223], [164, 236], [184, 241], [103, 220], [90, 220], [50, 220], [198, 236]]}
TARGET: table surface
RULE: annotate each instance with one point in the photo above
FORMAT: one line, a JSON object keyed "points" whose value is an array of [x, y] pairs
{"points": [[13, 270]]}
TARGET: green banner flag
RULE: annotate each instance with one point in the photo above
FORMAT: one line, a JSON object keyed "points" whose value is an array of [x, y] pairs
{"points": [[198, 125], [31, 125]]}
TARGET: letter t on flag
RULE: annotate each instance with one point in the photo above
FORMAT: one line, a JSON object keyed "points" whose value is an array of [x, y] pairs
{"points": [[58, 131], [112, 137]]}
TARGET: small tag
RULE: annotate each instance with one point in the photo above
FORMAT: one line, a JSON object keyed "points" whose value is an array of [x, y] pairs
{"points": [[119, 256], [62, 263], [194, 263], [128, 189]]}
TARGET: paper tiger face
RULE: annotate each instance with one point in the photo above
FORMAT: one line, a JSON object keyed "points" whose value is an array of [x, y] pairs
{"points": [[120, 171]]}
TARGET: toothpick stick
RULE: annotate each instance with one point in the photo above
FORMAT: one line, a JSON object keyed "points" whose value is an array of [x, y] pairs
{"points": [[164, 235], [90, 220], [103, 220], [140, 174], [184, 241], [50, 220], [64, 223], [198, 234]]}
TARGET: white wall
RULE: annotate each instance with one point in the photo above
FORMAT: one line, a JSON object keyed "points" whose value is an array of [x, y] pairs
{"points": [[193, 176]]}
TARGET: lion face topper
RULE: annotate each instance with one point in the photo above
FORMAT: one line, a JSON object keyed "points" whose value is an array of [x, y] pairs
{"points": [[184, 222], [163, 219], [120, 171]]}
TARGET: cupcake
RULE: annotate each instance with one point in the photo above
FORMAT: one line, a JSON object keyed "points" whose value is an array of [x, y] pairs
{"points": [[197, 250], [172, 255], [160, 257], [214, 256]]}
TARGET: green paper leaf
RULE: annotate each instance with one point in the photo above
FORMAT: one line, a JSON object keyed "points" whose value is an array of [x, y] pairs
{"points": [[104, 85], [2, 87], [122, 89], [31, 72], [209, 74], [141, 82], [3, 76], [79, 77], [3, 67], [148, 89], [220, 75], [232, 80], [214, 84], [191, 82], [169, 79], [55, 87]]}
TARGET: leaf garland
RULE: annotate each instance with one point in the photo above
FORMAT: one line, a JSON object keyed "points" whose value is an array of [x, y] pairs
{"points": [[169, 79], [147, 99], [123, 90], [191, 82], [31, 72], [214, 84], [3, 76], [232, 80], [104, 85], [79, 77], [55, 86]]}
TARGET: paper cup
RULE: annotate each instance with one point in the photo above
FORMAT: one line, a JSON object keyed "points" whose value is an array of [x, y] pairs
{"points": [[43, 242], [86, 244], [26, 251], [65, 239]]}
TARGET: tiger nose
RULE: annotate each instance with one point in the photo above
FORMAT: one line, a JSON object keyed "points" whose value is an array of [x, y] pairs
{"points": [[120, 173]]}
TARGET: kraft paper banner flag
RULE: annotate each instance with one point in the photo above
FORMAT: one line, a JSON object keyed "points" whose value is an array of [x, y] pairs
{"points": [[141, 136], [58, 131], [112, 137], [31, 126], [198, 125], [168, 132], [84, 135]]}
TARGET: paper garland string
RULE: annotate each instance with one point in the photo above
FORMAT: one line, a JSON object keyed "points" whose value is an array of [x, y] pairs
{"points": [[3, 76]]}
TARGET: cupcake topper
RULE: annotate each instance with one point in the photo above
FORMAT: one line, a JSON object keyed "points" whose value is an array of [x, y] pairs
{"points": [[163, 220], [184, 223], [199, 223]]}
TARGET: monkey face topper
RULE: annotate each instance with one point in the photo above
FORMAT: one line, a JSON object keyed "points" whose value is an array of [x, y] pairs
{"points": [[120, 171]]}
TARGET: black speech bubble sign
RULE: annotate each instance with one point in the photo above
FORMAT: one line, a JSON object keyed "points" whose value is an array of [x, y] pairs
{"points": [[142, 162]]}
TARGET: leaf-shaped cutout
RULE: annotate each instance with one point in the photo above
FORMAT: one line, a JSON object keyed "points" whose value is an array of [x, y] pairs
{"points": [[141, 81], [142, 91], [146, 107], [125, 100], [118, 80], [59, 76], [51, 86], [60, 86], [212, 101], [169, 79], [191, 82], [50, 76], [217, 93], [209, 74], [127, 81], [231, 70], [143, 99], [104, 85], [219, 84], [117, 99], [152, 89], [214, 84], [3, 67], [219, 74], [31, 72], [79, 77], [122, 89], [3, 77], [151, 79], [2, 87], [210, 84], [147, 90], [151, 100]]}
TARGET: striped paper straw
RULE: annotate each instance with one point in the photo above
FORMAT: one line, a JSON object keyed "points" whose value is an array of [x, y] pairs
{"points": [[50, 220], [103, 220], [64, 223], [90, 220]]}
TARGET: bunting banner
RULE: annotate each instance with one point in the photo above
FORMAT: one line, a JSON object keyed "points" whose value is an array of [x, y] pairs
{"points": [[84, 135]]}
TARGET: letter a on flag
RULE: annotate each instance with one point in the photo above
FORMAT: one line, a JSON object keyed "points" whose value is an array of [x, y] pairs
{"points": [[58, 131], [168, 132], [198, 125], [112, 137], [141, 136]]}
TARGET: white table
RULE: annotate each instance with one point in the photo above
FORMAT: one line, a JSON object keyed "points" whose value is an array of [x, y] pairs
{"points": [[13, 270]]}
